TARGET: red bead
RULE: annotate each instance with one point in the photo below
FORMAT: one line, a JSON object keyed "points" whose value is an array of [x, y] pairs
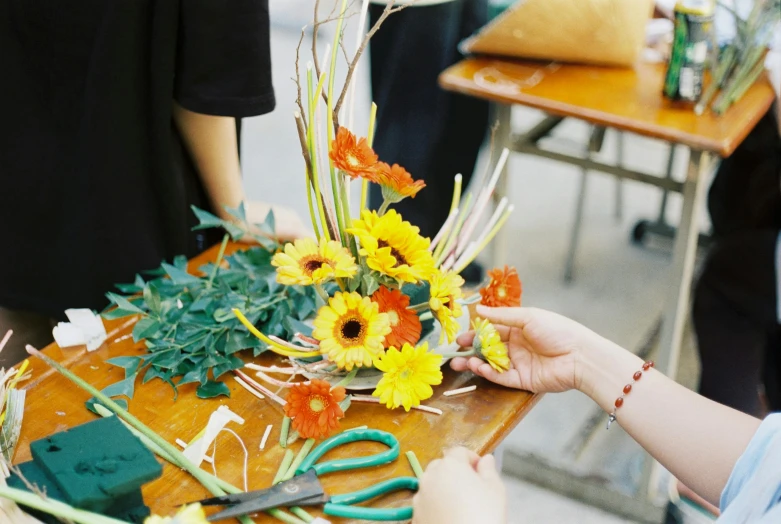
{"points": [[619, 402], [637, 375], [627, 389], [648, 365]]}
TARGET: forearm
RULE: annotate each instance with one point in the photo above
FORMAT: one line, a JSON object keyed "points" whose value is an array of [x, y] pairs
{"points": [[213, 146], [698, 440]]}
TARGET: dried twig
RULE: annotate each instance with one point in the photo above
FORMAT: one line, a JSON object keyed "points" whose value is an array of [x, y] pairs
{"points": [[389, 10]]}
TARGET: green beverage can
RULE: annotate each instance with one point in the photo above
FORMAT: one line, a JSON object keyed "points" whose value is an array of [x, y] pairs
{"points": [[686, 69]]}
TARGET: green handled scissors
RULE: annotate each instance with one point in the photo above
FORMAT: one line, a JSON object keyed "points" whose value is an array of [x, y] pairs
{"points": [[305, 489]]}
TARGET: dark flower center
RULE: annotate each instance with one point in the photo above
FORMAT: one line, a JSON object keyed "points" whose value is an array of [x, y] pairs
{"points": [[394, 252], [310, 266], [352, 329]]}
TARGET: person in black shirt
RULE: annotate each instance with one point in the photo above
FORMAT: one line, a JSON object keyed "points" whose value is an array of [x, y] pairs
{"points": [[117, 116]]}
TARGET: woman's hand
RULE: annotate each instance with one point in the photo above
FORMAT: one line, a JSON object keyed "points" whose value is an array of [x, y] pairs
{"points": [[461, 488], [545, 349], [289, 225]]}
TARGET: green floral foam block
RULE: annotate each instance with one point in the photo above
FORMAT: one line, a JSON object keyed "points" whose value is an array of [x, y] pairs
{"points": [[99, 466]]}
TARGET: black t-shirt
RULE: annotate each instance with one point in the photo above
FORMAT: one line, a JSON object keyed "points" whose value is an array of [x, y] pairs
{"points": [[95, 184]]}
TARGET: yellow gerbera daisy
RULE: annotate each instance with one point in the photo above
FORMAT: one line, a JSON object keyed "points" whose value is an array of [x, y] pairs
{"points": [[351, 330], [192, 514], [393, 246], [489, 346], [445, 292], [408, 376], [305, 262]]}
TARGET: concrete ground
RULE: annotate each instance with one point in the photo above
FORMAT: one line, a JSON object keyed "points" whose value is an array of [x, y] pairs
{"points": [[618, 287]]}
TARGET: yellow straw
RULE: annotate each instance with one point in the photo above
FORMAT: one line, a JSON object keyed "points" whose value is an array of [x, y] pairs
{"points": [[273, 346], [313, 100]]}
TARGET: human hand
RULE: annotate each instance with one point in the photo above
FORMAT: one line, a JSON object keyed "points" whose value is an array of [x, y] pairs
{"points": [[545, 349], [289, 225], [461, 488]]}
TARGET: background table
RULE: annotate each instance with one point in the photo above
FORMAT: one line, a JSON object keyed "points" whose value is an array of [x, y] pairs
{"points": [[626, 100], [478, 420]]}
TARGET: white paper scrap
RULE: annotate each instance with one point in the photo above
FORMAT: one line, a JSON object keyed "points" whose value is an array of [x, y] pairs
{"points": [[84, 328], [196, 451]]}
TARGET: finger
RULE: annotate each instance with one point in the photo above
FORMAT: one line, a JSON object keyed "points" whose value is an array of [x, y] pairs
{"points": [[486, 468], [508, 379], [459, 364], [464, 455], [507, 316], [465, 339]]}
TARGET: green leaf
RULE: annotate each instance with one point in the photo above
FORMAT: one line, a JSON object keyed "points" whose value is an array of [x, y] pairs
{"points": [[123, 387], [238, 212], [270, 224], [91, 404], [129, 289], [179, 276], [370, 285], [209, 221], [129, 364], [294, 326], [152, 299], [123, 303], [212, 389], [145, 328]]}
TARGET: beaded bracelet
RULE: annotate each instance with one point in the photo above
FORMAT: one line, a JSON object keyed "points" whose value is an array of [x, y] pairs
{"points": [[620, 400]]}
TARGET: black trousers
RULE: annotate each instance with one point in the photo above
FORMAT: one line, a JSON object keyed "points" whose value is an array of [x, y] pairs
{"points": [[432, 133], [735, 301]]}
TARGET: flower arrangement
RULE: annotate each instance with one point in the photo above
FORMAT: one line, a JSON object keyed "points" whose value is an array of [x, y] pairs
{"points": [[380, 284]]}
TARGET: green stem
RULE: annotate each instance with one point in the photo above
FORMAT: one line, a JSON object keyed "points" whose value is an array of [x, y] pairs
{"points": [[310, 135], [55, 507], [346, 380], [217, 262], [303, 515], [415, 464], [321, 292], [305, 449], [419, 308], [283, 467], [384, 207], [201, 476], [469, 353], [285, 431], [425, 316]]}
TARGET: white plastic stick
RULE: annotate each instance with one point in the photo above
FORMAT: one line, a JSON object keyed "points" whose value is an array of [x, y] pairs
{"points": [[248, 388], [265, 436], [444, 230], [374, 400], [460, 391]]}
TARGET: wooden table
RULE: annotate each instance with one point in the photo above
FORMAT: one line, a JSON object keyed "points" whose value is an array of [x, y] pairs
{"points": [[626, 100], [479, 421]]}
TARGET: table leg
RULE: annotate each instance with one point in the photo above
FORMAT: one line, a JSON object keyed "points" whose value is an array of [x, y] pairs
{"points": [[684, 253], [618, 212], [503, 139], [677, 302]]}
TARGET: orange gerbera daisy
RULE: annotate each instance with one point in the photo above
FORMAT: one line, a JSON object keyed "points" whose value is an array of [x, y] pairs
{"points": [[314, 408], [353, 156], [504, 289], [397, 184], [405, 324]]}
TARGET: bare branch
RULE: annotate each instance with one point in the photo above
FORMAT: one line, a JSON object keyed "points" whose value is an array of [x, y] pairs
{"points": [[297, 80], [389, 10]]}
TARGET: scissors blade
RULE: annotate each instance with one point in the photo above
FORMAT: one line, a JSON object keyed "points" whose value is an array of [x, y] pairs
{"points": [[302, 489], [227, 500]]}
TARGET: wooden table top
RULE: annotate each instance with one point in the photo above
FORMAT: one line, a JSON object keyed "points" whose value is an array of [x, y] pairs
{"points": [[626, 99], [478, 420]]}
